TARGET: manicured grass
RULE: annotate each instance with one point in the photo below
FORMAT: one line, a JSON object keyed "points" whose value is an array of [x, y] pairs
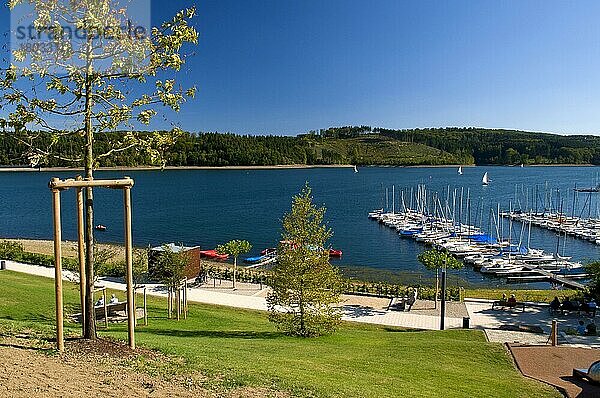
{"points": [[239, 347], [542, 296]]}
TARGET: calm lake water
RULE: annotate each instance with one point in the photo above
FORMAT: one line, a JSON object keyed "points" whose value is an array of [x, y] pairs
{"points": [[207, 207]]}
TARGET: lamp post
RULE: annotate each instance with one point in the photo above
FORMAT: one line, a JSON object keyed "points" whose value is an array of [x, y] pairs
{"points": [[443, 303]]}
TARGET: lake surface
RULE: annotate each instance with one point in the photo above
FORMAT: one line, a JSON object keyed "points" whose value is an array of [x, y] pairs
{"points": [[208, 207]]}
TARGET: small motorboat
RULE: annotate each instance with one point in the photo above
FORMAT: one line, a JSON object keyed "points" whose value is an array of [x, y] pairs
{"points": [[335, 253], [100, 227]]}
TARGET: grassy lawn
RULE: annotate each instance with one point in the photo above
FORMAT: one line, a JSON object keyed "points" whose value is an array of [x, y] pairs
{"points": [[240, 347]]}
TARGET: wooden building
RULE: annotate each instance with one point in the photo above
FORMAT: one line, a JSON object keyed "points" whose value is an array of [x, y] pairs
{"points": [[192, 253]]}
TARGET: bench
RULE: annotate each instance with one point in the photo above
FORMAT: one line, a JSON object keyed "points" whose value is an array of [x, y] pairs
{"points": [[506, 304], [397, 304], [591, 374], [111, 309]]}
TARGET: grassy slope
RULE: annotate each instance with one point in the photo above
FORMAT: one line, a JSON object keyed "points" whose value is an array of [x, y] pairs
{"points": [[241, 347], [381, 150]]}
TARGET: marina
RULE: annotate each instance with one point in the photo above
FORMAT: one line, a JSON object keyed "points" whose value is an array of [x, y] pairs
{"points": [[446, 225], [582, 228]]}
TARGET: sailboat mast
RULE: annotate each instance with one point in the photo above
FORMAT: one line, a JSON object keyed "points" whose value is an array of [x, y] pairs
{"points": [[387, 202]]}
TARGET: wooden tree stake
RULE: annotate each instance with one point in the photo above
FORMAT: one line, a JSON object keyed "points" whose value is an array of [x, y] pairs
{"points": [[60, 343]]}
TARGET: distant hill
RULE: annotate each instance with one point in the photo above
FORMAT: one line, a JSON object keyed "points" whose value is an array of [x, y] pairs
{"points": [[362, 145]]}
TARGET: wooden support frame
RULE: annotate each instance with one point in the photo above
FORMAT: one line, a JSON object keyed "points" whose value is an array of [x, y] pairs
{"points": [[56, 186], [145, 303], [103, 290]]}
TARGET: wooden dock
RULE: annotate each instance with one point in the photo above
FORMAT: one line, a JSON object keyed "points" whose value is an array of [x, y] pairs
{"points": [[546, 276]]}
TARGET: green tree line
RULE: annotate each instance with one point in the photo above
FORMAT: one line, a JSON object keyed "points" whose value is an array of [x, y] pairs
{"points": [[362, 145]]}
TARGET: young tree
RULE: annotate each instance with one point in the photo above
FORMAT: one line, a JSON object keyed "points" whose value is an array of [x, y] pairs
{"points": [[169, 269], [140, 265], [305, 286], [593, 270], [234, 248], [102, 79], [436, 260], [170, 266]]}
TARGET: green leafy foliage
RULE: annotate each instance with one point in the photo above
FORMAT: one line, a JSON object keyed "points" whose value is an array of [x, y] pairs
{"points": [[234, 248], [14, 251], [386, 147], [593, 270], [436, 259], [305, 286], [170, 267]]}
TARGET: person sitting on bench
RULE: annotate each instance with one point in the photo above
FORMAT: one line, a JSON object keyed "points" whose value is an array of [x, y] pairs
{"points": [[581, 330], [591, 307], [590, 329], [114, 299], [555, 304], [568, 305], [512, 301], [412, 299], [100, 302]]}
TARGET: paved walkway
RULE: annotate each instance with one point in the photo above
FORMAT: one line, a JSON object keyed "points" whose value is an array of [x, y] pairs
{"points": [[503, 325], [251, 297], [499, 325]]}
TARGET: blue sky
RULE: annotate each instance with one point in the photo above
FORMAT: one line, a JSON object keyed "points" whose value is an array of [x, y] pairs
{"points": [[284, 67]]}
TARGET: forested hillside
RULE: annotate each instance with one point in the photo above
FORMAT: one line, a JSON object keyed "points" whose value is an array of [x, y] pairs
{"points": [[360, 145]]}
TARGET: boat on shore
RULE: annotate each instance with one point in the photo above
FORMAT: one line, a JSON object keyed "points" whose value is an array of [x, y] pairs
{"points": [[269, 250], [335, 253], [213, 255], [255, 259]]}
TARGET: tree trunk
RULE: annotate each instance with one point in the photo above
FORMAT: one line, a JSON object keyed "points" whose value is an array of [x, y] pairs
{"points": [[89, 331], [301, 305], [234, 270]]}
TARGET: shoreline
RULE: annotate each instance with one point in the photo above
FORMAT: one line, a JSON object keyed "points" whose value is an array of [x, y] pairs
{"points": [[157, 168], [271, 167]]}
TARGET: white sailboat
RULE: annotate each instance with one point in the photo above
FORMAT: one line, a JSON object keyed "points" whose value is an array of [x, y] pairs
{"points": [[460, 170], [355, 169], [486, 179]]}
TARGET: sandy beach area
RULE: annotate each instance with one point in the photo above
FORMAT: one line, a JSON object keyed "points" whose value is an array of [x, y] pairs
{"points": [[69, 249]]}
